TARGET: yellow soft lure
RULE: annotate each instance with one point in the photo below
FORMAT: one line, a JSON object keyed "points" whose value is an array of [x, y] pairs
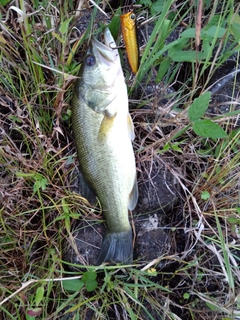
{"points": [[129, 32]]}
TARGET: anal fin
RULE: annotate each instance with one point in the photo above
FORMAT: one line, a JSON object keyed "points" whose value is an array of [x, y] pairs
{"points": [[86, 191]]}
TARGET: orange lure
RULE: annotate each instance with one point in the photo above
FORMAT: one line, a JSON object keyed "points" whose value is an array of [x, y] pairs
{"points": [[129, 32]]}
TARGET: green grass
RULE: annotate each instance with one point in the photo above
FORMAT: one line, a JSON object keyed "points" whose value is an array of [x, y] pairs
{"points": [[39, 59]]}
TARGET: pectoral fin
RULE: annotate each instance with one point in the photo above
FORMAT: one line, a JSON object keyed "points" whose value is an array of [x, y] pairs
{"points": [[133, 196], [130, 127], [105, 127]]}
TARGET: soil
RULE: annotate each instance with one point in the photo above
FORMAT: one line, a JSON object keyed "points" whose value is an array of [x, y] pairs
{"points": [[158, 197]]}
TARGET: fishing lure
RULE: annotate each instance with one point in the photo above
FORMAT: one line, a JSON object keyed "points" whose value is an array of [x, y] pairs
{"points": [[129, 32]]}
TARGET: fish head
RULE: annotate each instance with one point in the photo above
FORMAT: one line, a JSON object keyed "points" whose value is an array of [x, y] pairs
{"points": [[101, 77], [102, 64]]}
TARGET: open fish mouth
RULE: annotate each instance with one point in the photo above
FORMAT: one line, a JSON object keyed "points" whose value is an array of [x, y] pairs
{"points": [[106, 52]]}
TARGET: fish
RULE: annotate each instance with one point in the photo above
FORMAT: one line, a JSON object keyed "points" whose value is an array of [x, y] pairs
{"points": [[129, 32], [103, 134]]}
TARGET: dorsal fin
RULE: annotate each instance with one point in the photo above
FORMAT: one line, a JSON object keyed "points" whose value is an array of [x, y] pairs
{"points": [[133, 196], [130, 127]]}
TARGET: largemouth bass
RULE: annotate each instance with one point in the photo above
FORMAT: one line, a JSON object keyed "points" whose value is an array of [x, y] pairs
{"points": [[103, 132]]}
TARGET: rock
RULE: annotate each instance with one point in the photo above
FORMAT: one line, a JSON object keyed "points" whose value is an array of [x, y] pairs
{"points": [[158, 189], [158, 194]]}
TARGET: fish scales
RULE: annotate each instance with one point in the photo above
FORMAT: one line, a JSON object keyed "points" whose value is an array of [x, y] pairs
{"points": [[106, 170]]}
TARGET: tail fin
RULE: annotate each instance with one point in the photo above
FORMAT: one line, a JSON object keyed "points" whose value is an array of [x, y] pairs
{"points": [[117, 248]]}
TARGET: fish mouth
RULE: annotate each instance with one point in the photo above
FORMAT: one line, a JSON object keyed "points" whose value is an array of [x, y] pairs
{"points": [[106, 51]]}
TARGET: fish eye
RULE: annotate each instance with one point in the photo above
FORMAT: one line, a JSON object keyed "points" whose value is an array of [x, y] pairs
{"points": [[132, 16], [90, 60]]}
